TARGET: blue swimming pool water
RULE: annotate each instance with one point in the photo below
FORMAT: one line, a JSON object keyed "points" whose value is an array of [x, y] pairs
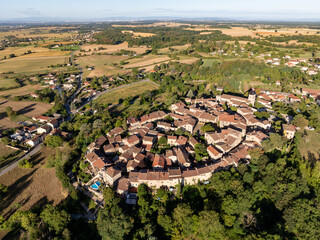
{"points": [[96, 185]]}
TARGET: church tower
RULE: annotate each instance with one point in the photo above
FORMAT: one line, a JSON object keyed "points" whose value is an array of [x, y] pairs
{"points": [[252, 96]]}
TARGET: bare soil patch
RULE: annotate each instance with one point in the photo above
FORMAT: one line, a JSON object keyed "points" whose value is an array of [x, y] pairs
{"points": [[28, 188]]}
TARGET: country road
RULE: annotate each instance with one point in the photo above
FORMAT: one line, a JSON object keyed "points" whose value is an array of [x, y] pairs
{"points": [[8, 168], [113, 89], [38, 147]]}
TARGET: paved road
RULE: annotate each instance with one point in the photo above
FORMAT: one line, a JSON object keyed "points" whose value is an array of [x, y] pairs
{"points": [[113, 89], [15, 163]]}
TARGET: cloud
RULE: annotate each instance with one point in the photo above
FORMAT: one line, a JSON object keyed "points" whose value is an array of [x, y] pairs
{"points": [[31, 12]]}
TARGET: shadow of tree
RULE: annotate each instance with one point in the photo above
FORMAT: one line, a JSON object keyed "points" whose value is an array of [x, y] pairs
{"points": [[14, 190], [26, 109], [3, 102]]}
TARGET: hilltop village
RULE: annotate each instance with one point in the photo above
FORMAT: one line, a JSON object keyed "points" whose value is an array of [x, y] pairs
{"points": [[151, 152]]}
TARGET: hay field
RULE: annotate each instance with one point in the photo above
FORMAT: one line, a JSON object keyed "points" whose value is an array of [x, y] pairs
{"points": [[146, 61], [31, 64], [122, 93], [18, 51], [28, 188], [36, 32], [102, 65], [112, 48], [157, 24], [20, 91], [150, 67], [175, 48], [138, 34], [23, 108], [288, 31], [243, 31], [187, 59]]}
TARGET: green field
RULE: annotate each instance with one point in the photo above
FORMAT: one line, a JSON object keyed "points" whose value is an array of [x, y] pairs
{"points": [[130, 91], [7, 83], [209, 62]]}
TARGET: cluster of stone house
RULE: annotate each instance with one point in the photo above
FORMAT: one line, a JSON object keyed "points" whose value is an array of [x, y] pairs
{"points": [[126, 159]]}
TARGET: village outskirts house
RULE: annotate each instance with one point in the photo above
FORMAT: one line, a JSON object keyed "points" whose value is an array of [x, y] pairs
{"points": [[288, 131]]}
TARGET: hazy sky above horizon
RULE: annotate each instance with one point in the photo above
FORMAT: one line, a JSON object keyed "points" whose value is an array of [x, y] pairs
{"points": [[102, 9]]}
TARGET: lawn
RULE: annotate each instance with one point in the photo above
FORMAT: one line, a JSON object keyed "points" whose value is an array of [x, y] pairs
{"points": [[28, 188], [129, 91], [7, 83], [209, 62]]}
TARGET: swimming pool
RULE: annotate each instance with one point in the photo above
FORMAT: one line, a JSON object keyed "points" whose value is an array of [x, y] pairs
{"points": [[96, 185]]}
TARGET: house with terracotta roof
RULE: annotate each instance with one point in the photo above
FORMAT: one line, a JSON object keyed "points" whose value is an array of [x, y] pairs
{"points": [[42, 119], [159, 162], [172, 140], [97, 144], [97, 160], [111, 174], [131, 140], [44, 129], [183, 157], [289, 130], [123, 186], [133, 122], [181, 141], [226, 119], [214, 152], [256, 136], [114, 132]]}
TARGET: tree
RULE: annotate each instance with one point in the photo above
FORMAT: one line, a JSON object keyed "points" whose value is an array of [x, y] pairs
{"points": [[207, 128], [275, 141], [183, 221], [25, 163], [214, 230], [10, 112], [162, 141], [300, 121], [114, 224], [118, 123], [200, 151], [53, 141], [55, 219], [97, 124], [303, 219]]}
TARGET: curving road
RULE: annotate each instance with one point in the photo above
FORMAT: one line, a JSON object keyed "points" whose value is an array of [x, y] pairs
{"points": [[39, 146], [113, 89], [14, 164]]}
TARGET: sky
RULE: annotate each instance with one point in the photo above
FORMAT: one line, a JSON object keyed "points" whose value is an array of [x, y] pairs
{"points": [[286, 10]]}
